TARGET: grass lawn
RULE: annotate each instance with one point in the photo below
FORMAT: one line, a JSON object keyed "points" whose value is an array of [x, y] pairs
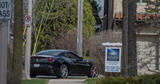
{"points": [[91, 81], [35, 81]]}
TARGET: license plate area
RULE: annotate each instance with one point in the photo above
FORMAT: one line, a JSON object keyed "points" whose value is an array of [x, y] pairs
{"points": [[36, 65]]}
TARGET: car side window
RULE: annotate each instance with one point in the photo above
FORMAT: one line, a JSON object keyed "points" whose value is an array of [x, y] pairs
{"points": [[71, 55], [61, 54]]}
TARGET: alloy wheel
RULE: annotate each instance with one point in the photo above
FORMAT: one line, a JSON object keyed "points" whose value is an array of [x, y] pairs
{"points": [[64, 71]]}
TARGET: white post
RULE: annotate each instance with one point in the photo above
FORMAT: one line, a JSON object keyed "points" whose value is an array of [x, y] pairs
{"points": [[80, 25], [3, 50], [28, 43], [5, 16]]}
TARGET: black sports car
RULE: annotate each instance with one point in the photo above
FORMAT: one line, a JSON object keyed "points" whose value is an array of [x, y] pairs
{"points": [[60, 63]]}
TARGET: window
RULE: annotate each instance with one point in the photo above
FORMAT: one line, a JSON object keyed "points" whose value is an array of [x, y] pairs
{"points": [[49, 52], [142, 2], [71, 55]]}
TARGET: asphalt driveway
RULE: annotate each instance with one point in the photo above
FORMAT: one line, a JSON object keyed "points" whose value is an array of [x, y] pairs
{"points": [[69, 80]]}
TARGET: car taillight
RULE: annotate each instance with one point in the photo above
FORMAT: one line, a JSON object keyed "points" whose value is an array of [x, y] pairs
{"points": [[50, 59]]}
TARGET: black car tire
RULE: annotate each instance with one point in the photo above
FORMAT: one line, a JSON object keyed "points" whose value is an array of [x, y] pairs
{"points": [[93, 72], [32, 75], [63, 73]]}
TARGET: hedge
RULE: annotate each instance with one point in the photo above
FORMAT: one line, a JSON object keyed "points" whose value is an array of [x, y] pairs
{"points": [[145, 79]]}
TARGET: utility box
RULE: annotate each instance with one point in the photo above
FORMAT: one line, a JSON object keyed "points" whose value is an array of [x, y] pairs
{"points": [[112, 57]]}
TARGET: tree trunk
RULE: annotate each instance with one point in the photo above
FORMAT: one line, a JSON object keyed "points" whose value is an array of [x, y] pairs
{"points": [[108, 14], [125, 39], [132, 61], [17, 50], [129, 59]]}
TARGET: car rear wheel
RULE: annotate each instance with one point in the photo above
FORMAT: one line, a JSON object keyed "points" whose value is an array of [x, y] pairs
{"points": [[63, 71]]}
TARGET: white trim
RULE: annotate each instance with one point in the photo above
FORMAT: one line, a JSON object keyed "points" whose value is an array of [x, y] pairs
{"points": [[112, 44], [141, 4], [150, 34]]}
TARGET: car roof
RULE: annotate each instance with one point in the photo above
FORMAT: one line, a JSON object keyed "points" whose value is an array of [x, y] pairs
{"points": [[54, 50], [60, 50]]}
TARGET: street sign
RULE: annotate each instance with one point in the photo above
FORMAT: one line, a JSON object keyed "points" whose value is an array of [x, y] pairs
{"points": [[28, 20], [113, 59], [5, 9]]}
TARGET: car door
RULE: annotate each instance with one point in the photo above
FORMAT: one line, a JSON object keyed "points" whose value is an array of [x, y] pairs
{"points": [[81, 66], [72, 62], [84, 66]]}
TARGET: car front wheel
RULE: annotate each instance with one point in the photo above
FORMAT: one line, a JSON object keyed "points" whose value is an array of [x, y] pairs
{"points": [[93, 72]]}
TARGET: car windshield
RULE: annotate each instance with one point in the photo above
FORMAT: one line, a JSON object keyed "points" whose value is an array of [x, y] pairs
{"points": [[49, 52]]}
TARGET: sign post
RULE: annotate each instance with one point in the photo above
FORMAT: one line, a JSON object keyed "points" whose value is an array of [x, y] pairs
{"points": [[28, 24], [5, 16], [112, 57], [3, 51]]}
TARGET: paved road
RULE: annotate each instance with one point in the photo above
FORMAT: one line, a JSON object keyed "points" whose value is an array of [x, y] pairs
{"points": [[69, 80], [66, 81]]}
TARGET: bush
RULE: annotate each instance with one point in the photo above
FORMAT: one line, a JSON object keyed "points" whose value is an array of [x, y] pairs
{"points": [[145, 79], [91, 81], [97, 51]]}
